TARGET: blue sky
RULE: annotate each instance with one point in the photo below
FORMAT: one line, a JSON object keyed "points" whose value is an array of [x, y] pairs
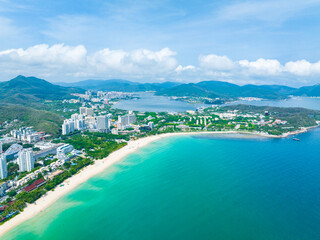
{"points": [[261, 42]]}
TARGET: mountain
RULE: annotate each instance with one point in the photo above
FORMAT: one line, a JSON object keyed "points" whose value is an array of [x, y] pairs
{"points": [[310, 91], [226, 90], [119, 85], [41, 120], [31, 89]]}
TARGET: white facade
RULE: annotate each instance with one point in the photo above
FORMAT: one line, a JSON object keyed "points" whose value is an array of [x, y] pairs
{"points": [[151, 125], [25, 160], [63, 150], [126, 120], [3, 166], [102, 123]]}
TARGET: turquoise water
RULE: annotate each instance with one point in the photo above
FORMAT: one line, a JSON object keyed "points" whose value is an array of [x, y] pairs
{"points": [[195, 187]]}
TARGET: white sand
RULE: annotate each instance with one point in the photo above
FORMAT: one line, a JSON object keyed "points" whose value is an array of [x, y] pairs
{"points": [[100, 165]]}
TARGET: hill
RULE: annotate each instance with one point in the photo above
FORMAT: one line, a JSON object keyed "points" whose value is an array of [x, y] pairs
{"points": [[225, 90], [41, 120], [228, 90], [310, 91], [21, 90]]}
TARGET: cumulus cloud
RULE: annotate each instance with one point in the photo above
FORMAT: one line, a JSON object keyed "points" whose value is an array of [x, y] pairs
{"points": [[140, 61], [262, 66], [43, 54], [45, 60], [181, 69], [303, 68], [215, 62]]}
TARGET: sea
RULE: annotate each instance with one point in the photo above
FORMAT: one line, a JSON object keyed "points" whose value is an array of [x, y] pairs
{"points": [[217, 187], [223, 187]]}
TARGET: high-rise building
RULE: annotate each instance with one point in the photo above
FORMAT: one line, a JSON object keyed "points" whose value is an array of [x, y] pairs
{"points": [[83, 110], [103, 123], [89, 111], [151, 125], [65, 129], [126, 120], [3, 166], [25, 160]]}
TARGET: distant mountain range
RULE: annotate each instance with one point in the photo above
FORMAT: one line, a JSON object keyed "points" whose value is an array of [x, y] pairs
{"points": [[120, 85], [23, 89], [210, 89]]}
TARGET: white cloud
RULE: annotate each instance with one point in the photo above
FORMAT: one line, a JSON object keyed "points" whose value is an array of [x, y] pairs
{"points": [[181, 69], [141, 61], [262, 66], [43, 54], [303, 68], [215, 62], [74, 61]]}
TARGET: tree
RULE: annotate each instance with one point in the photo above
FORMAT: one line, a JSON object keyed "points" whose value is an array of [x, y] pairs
{"points": [[12, 193]]}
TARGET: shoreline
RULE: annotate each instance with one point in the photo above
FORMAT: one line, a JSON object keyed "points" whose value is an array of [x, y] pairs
{"points": [[99, 166]]}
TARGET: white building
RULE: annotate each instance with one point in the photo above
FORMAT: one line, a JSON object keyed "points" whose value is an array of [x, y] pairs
{"points": [[3, 166], [126, 120], [151, 125], [103, 123], [25, 160], [63, 150]]}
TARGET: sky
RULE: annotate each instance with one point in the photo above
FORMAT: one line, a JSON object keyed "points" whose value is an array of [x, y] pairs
{"points": [[243, 42]]}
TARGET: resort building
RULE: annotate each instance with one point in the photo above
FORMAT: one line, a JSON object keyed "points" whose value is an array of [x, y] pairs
{"points": [[126, 120], [3, 166], [102, 123], [63, 150], [25, 160]]}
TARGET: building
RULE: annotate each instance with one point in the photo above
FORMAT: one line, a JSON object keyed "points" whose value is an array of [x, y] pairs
{"points": [[151, 125], [3, 166], [35, 185], [63, 150], [103, 123], [25, 160], [90, 112], [12, 151], [83, 110], [126, 120]]}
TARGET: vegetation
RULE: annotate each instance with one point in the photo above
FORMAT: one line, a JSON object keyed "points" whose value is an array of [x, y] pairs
{"points": [[25, 90], [41, 120], [96, 145]]}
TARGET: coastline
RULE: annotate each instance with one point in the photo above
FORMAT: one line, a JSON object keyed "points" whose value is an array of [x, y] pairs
{"points": [[99, 166]]}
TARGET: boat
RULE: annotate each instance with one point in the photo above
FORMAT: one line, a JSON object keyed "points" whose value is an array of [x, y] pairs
{"points": [[296, 139]]}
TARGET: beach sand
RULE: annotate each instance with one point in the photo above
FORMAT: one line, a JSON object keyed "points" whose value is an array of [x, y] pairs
{"points": [[100, 165]]}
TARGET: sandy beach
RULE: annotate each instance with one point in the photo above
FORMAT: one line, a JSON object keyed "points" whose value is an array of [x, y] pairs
{"points": [[100, 165]]}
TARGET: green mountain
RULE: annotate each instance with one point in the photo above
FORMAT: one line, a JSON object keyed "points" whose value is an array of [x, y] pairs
{"points": [[311, 91], [228, 90], [21, 90], [41, 120], [223, 90]]}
